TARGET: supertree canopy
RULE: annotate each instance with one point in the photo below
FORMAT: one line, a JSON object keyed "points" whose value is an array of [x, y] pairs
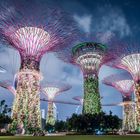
{"points": [[52, 90], [125, 87], [88, 55], [31, 41], [126, 56], [33, 34]]}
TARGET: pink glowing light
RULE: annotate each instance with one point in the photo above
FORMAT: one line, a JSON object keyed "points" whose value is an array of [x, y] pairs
{"points": [[35, 33], [31, 40], [124, 86], [51, 90]]}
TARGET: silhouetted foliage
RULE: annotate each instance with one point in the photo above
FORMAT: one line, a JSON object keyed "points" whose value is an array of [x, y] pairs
{"points": [[50, 128], [60, 126], [89, 123], [4, 110]]}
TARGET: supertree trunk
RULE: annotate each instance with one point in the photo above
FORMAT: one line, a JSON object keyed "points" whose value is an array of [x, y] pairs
{"points": [[50, 114], [26, 108], [137, 93], [129, 117], [91, 103]]}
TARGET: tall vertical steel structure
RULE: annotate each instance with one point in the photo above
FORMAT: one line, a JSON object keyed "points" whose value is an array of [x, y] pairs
{"points": [[52, 90], [127, 57], [125, 87], [89, 57], [32, 34]]}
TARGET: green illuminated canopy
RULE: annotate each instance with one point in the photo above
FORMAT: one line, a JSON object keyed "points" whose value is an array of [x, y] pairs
{"points": [[90, 45]]}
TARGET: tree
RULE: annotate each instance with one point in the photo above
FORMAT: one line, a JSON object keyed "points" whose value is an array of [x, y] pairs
{"points": [[50, 128], [60, 126], [90, 123], [4, 110]]}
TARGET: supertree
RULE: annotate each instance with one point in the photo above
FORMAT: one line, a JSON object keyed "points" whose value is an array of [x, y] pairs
{"points": [[51, 91], [89, 56], [126, 56], [126, 88], [33, 34]]}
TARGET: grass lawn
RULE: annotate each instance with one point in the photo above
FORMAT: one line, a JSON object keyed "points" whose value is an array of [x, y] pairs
{"points": [[71, 138]]}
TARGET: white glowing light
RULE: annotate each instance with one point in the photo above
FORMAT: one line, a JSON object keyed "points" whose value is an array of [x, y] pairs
{"points": [[31, 39], [89, 61], [132, 63], [125, 85], [51, 92], [127, 103]]}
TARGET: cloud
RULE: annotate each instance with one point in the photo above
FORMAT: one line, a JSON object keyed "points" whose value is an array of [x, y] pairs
{"points": [[105, 22], [51, 67], [54, 69], [75, 80], [105, 37], [110, 20], [84, 22]]}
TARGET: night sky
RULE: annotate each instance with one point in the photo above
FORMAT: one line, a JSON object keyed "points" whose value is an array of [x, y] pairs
{"points": [[113, 18]]}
